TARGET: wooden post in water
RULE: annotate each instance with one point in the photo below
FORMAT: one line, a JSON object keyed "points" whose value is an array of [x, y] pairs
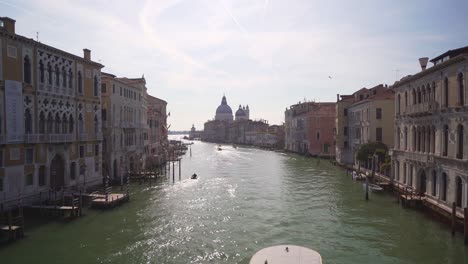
{"points": [[465, 221], [180, 170], [367, 188], [454, 217], [190, 151], [173, 171], [81, 203]]}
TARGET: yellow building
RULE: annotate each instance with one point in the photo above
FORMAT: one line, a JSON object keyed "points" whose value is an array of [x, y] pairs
{"points": [[50, 117]]}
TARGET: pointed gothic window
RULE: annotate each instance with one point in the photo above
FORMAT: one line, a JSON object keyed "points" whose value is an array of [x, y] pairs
{"points": [[27, 69]]}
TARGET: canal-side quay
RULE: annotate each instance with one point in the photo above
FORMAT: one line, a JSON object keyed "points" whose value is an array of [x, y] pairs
{"points": [[245, 199]]}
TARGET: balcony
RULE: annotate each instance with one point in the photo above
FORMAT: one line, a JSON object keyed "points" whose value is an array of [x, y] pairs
{"points": [[99, 136], [415, 156], [422, 109], [82, 137], [131, 148], [48, 138], [126, 124]]}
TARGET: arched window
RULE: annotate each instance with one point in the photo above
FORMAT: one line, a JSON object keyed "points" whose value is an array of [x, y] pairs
{"points": [[71, 126], [57, 75], [414, 96], [27, 121], [460, 142], [434, 183], [423, 92], [70, 78], [49, 73], [419, 96], [64, 124], [406, 98], [398, 104], [96, 90], [433, 91], [72, 170], [406, 138], [42, 123], [80, 124], [80, 83], [398, 138], [57, 124], [27, 69], [458, 191], [461, 89], [446, 92], [64, 77], [445, 140], [443, 187], [414, 139], [41, 71], [96, 124], [50, 123], [429, 95], [404, 173]]}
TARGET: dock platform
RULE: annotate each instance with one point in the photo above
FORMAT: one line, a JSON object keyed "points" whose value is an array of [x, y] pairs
{"points": [[111, 200]]}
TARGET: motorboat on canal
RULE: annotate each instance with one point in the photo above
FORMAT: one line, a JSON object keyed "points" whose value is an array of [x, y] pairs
{"points": [[219, 149], [373, 187], [287, 254], [194, 176]]}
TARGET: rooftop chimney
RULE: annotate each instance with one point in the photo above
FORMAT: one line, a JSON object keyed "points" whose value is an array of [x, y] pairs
{"points": [[423, 63], [87, 54], [337, 97], [8, 24]]}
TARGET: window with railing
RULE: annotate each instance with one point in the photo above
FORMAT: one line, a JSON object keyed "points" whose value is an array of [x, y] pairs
{"points": [[42, 178]]}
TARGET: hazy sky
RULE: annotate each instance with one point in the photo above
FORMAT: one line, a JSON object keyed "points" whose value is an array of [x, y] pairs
{"points": [[268, 54]]}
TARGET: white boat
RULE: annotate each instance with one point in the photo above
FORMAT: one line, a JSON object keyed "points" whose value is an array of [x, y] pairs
{"points": [[286, 254], [373, 187]]}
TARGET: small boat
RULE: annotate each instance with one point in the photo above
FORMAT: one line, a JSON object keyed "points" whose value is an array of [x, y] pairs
{"points": [[219, 149], [194, 176], [234, 146], [373, 187]]}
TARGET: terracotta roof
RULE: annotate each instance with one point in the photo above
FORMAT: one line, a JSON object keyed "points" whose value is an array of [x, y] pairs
{"points": [[451, 53]]}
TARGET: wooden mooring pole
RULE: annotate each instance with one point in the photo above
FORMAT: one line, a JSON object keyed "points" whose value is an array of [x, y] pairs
{"points": [[367, 188], [180, 170], [173, 171], [454, 217]]}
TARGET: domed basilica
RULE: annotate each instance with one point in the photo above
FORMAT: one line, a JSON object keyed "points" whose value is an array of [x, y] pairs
{"points": [[224, 112]]}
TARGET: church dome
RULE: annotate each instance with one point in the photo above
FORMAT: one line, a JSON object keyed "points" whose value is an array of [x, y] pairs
{"points": [[240, 112], [224, 108], [224, 111]]}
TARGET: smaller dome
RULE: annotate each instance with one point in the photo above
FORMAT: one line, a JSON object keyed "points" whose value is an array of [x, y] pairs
{"points": [[240, 112]]}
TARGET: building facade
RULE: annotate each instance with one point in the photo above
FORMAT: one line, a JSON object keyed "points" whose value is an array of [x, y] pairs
{"points": [[157, 123], [364, 117], [295, 128], [321, 129], [431, 109], [50, 117], [309, 129], [124, 111]]}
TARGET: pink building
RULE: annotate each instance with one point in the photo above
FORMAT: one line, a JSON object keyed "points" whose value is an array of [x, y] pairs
{"points": [[321, 121]]}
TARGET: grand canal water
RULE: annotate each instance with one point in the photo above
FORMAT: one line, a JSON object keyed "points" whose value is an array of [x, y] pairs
{"points": [[244, 200]]}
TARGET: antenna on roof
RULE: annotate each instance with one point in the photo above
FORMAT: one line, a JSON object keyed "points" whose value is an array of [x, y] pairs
{"points": [[396, 74], [37, 36]]}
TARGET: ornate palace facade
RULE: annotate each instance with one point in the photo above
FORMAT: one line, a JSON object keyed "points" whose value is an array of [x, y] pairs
{"points": [[431, 109], [50, 116]]}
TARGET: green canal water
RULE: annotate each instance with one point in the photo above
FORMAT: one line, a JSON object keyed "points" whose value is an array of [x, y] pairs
{"points": [[244, 200]]}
